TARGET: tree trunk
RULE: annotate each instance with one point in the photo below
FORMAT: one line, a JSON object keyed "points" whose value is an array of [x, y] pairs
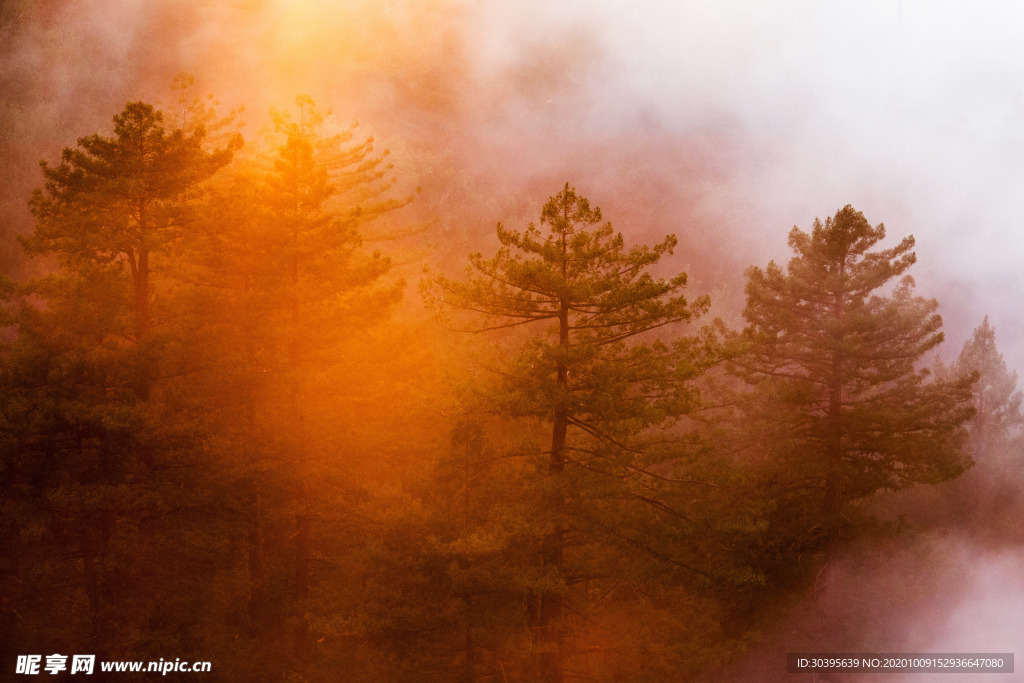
{"points": [[550, 631], [257, 606], [257, 596], [834, 477], [92, 591], [469, 672], [302, 517], [143, 323], [833, 503], [140, 287]]}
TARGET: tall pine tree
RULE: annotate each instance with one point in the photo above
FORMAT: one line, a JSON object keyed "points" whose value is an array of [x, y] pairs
{"points": [[996, 397], [596, 374], [94, 460], [115, 204], [839, 406], [284, 287]]}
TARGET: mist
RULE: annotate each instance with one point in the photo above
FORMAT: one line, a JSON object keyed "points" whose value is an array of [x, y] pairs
{"points": [[721, 122], [725, 123]]}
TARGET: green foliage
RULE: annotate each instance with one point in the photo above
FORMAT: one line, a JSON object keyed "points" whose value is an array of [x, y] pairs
{"points": [[94, 463], [215, 440], [115, 198], [118, 204], [595, 295], [837, 409], [618, 499]]}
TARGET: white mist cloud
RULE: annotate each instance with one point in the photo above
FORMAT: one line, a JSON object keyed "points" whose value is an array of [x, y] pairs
{"points": [[912, 111], [726, 121], [978, 608]]}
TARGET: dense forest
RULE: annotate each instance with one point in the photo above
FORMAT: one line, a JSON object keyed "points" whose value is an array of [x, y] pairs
{"points": [[248, 415]]}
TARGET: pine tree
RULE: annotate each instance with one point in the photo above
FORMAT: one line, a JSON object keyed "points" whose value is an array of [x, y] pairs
{"points": [[996, 397], [984, 498], [839, 408], [599, 379], [331, 287], [116, 204], [93, 459], [284, 288]]}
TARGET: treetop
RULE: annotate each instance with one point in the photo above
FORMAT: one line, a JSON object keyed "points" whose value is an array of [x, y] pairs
{"points": [[580, 270]]}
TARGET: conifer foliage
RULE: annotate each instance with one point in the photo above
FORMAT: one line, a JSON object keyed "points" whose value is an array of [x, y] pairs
{"points": [[116, 203], [832, 346], [215, 443], [285, 284], [996, 397], [591, 375], [89, 454]]}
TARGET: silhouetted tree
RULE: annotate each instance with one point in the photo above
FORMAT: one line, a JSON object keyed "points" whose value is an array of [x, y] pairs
{"points": [[284, 283], [115, 204], [92, 460], [838, 408], [996, 397], [599, 380]]}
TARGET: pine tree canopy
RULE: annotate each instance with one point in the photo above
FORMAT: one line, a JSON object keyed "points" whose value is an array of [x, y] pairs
{"points": [[996, 398], [596, 294], [601, 378], [832, 347], [112, 197]]}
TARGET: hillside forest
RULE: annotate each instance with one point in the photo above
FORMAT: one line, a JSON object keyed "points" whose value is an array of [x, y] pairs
{"points": [[263, 404]]}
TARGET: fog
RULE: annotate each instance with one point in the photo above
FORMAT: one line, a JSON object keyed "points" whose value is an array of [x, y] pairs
{"points": [[724, 122]]}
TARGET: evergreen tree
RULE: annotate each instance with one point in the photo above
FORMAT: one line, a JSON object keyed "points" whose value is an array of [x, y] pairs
{"points": [[115, 204], [602, 383], [284, 286], [330, 286], [984, 500], [839, 409], [997, 401], [95, 463]]}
